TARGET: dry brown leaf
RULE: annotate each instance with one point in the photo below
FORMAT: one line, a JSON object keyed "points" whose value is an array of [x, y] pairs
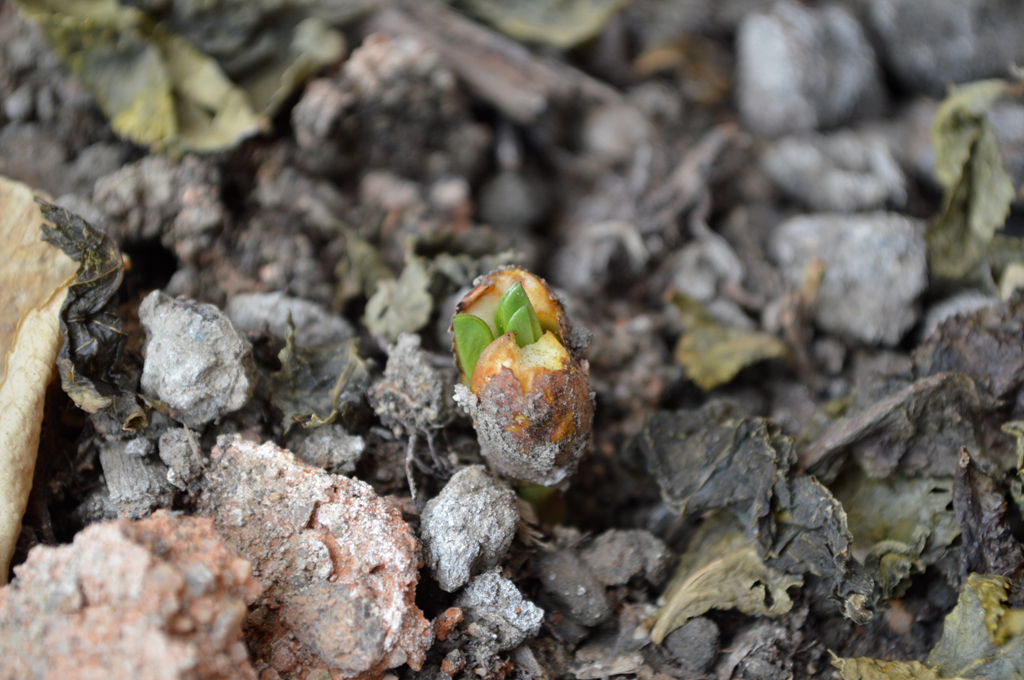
{"points": [[34, 279]]}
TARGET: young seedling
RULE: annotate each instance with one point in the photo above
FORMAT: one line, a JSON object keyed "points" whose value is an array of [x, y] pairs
{"points": [[516, 313], [528, 393], [472, 334]]}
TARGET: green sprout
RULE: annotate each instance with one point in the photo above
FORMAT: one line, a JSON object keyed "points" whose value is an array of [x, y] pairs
{"points": [[472, 334], [515, 313]]}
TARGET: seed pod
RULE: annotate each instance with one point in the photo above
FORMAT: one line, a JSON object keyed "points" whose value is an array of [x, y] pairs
{"points": [[524, 384]]}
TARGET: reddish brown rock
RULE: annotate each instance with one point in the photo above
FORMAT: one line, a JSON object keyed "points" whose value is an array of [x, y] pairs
{"points": [[338, 564], [162, 598]]}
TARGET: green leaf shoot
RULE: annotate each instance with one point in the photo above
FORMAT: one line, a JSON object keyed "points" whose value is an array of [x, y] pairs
{"points": [[520, 324], [516, 313], [472, 334]]}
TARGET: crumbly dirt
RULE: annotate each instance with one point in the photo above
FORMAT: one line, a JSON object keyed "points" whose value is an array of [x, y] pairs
{"points": [[769, 165]]}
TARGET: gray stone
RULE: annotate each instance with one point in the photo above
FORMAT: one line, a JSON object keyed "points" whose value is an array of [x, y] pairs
{"points": [[255, 313], [180, 453], [329, 447], [617, 555], [468, 527], [568, 580], [694, 645], [495, 608], [875, 269], [803, 68], [19, 105], [845, 171], [196, 362], [928, 45]]}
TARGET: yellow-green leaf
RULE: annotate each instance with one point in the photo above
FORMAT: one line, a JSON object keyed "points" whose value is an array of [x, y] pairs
{"points": [[979, 190], [713, 354], [721, 569], [560, 23]]}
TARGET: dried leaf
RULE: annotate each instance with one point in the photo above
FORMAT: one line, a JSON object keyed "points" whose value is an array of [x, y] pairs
{"points": [[359, 270], [988, 545], [318, 385], [981, 638], [976, 642], [713, 354], [90, 358], [712, 459], [189, 76], [155, 87], [900, 525], [917, 429], [873, 669], [984, 344], [979, 191], [721, 569], [560, 23], [33, 282], [401, 305]]}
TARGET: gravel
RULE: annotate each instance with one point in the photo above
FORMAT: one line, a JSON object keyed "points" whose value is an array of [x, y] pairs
{"points": [[497, 612], [468, 527], [196, 362], [875, 269], [803, 68]]}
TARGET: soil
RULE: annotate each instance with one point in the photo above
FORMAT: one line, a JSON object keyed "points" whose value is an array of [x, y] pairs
{"points": [[635, 174]]}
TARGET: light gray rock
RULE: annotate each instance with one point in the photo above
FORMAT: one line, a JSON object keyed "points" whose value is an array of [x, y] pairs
{"points": [[802, 68], [329, 447], [929, 45], [875, 269], [196, 362], [255, 313], [845, 171], [182, 456], [497, 610], [617, 555], [468, 527], [568, 580]]}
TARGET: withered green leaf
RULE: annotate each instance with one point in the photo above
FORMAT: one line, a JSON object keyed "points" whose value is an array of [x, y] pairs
{"points": [[359, 270], [916, 430], [721, 569], [979, 191], [981, 639], [560, 23], [318, 385], [984, 344], [156, 88], [194, 76], [401, 305], [715, 459], [978, 640], [89, 361], [900, 525], [862, 668], [713, 354], [989, 545]]}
